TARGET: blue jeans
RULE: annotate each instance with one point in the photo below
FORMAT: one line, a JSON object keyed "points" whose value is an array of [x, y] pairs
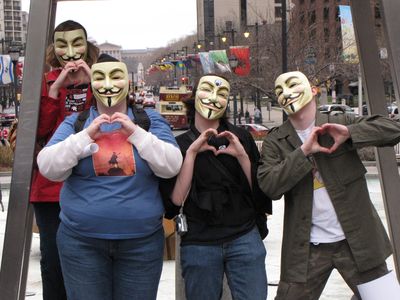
{"points": [[110, 269], [242, 260], [47, 220]]}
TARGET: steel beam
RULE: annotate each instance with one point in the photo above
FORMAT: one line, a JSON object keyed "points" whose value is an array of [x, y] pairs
{"points": [[390, 12], [375, 95], [17, 239]]}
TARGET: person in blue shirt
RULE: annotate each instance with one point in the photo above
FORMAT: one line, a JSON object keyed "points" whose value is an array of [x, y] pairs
{"points": [[111, 237]]}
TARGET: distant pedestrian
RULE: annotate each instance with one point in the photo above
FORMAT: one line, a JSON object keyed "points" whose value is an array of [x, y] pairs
{"points": [[247, 116], [240, 115], [257, 115]]}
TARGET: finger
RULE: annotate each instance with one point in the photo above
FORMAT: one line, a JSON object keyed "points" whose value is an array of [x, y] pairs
{"points": [[334, 147], [210, 132], [229, 135], [210, 148], [118, 115]]}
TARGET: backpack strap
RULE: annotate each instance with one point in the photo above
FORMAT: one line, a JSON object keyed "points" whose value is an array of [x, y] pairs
{"points": [[140, 115], [81, 119]]}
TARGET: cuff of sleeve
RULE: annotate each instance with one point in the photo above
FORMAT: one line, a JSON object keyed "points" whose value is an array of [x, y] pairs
{"points": [[83, 139], [139, 138], [52, 99]]}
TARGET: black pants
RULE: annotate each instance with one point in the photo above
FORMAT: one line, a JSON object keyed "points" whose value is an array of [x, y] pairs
{"points": [[47, 220]]}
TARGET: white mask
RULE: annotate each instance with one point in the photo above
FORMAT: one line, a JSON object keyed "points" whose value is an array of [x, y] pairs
{"points": [[70, 45], [110, 82], [212, 96], [293, 91]]}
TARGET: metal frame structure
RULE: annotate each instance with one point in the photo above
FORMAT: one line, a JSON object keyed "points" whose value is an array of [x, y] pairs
{"points": [[17, 240], [375, 95]]}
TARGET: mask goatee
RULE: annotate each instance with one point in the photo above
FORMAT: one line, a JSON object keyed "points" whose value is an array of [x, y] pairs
{"points": [[109, 101]]}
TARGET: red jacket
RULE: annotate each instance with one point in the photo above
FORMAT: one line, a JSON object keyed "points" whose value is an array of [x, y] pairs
{"points": [[52, 113]]}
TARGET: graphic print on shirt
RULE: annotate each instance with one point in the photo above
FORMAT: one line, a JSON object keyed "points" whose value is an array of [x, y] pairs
{"points": [[76, 98], [318, 182], [115, 156]]}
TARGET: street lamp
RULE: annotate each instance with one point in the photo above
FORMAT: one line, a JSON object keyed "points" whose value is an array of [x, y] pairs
{"points": [[14, 52], [232, 32]]}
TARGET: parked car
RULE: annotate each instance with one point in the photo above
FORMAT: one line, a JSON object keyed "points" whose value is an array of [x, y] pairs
{"points": [[149, 100], [6, 119], [392, 109], [335, 109], [256, 130], [139, 100]]}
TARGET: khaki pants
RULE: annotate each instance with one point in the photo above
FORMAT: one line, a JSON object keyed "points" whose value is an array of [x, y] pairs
{"points": [[323, 259]]}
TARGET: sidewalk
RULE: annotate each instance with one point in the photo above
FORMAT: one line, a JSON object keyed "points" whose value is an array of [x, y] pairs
{"points": [[336, 289]]}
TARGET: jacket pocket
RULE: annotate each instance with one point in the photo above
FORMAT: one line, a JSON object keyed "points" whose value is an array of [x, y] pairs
{"points": [[347, 166]]}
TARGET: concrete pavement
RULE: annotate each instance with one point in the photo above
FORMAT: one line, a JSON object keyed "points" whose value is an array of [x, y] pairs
{"points": [[336, 289]]}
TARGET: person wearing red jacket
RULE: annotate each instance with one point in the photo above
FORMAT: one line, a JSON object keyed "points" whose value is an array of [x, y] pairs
{"points": [[65, 90]]}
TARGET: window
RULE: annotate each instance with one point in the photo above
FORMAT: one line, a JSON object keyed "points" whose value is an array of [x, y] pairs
{"points": [[326, 34], [302, 18], [377, 12], [337, 14], [278, 12], [311, 17], [313, 33], [327, 53], [326, 13]]}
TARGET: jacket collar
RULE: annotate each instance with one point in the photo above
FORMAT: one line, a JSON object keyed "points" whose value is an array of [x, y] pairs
{"points": [[287, 131]]}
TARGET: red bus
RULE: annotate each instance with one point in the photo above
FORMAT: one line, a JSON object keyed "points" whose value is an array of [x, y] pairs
{"points": [[172, 105]]}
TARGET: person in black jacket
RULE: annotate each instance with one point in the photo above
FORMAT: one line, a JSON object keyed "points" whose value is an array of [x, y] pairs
{"points": [[221, 200]]}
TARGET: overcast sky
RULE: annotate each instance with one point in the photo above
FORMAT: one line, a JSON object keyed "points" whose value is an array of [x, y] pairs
{"points": [[132, 24]]}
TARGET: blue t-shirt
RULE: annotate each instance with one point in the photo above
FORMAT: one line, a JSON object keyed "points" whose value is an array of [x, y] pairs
{"points": [[112, 194]]}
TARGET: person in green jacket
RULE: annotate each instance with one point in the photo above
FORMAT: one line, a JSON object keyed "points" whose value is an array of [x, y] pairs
{"points": [[330, 221]]}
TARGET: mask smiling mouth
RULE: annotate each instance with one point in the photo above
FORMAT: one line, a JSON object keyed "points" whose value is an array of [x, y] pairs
{"points": [[293, 98], [68, 58], [211, 105], [109, 93]]}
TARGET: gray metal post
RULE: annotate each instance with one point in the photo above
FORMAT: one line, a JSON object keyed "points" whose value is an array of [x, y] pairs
{"points": [[18, 233], [375, 96], [390, 11]]}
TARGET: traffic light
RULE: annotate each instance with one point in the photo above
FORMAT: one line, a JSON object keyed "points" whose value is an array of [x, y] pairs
{"points": [[184, 80]]}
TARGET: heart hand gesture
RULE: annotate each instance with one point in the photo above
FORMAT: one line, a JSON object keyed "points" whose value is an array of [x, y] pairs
{"points": [[127, 126], [235, 148], [311, 144], [201, 143], [338, 132], [93, 129]]}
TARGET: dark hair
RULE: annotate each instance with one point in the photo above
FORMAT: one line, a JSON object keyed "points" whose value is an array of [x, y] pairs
{"points": [[190, 103], [92, 50]]}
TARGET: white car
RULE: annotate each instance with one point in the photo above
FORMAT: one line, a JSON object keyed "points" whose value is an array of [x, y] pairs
{"points": [[149, 100], [335, 109]]}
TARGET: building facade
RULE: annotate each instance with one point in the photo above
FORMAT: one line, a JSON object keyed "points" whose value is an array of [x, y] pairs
{"points": [[216, 16], [11, 26], [111, 49]]}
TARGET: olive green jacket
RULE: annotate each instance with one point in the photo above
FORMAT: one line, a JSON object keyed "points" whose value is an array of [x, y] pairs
{"points": [[285, 170]]}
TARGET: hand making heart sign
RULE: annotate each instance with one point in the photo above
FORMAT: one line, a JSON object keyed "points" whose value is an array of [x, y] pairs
{"points": [[211, 140], [127, 126], [74, 73], [338, 132]]}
